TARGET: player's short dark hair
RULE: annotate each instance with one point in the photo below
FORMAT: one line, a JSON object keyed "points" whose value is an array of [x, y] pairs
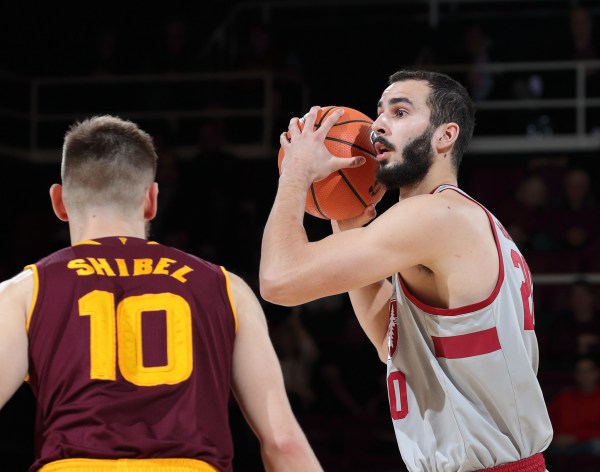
{"points": [[449, 102]]}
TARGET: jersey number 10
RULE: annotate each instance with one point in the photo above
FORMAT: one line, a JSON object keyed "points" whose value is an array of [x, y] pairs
{"points": [[120, 326]]}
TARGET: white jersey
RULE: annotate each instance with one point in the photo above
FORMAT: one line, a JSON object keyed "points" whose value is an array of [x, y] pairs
{"points": [[462, 382]]}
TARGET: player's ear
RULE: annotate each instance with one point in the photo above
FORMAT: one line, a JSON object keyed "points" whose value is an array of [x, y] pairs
{"points": [[448, 133], [56, 197], [151, 201]]}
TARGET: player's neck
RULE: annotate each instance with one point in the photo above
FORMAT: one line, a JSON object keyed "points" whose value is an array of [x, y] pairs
{"points": [[95, 226], [437, 175]]}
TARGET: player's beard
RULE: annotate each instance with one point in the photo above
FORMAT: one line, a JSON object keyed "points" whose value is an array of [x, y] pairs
{"points": [[417, 159]]}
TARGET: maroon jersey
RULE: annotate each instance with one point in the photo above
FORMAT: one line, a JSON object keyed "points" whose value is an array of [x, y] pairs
{"points": [[130, 354]]}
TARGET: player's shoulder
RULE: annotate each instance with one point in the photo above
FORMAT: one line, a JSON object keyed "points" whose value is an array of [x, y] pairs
{"points": [[433, 219], [425, 209], [20, 286], [192, 259], [238, 283], [55, 257]]}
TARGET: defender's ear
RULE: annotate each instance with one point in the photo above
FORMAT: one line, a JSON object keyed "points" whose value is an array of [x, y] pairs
{"points": [[151, 202], [57, 202]]}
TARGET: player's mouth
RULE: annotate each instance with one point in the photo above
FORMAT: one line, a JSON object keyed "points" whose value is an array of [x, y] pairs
{"points": [[383, 148]]}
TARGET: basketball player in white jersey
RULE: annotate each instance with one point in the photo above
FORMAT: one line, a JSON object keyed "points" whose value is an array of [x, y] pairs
{"points": [[436, 282]]}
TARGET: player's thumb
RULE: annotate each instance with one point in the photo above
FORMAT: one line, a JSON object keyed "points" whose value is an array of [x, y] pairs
{"points": [[367, 215], [350, 162]]}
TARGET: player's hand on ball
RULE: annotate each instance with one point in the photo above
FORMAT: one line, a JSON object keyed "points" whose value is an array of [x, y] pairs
{"points": [[305, 150], [322, 142]]}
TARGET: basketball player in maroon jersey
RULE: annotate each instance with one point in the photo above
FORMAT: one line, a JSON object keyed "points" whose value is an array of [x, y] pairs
{"points": [[131, 347], [436, 282]]}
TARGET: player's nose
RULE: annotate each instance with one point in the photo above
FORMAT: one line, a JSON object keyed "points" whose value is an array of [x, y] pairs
{"points": [[378, 127]]}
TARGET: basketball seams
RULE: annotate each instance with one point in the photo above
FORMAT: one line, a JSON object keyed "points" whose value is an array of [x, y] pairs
{"points": [[347, 143], [342, 123], [352, 188], [316, 202], [324, 115]]}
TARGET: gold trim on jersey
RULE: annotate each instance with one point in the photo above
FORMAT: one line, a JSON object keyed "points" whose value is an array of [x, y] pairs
{"points": [[87, 241], [96, 243], [128, 465], [228, 284], [36, 286]]}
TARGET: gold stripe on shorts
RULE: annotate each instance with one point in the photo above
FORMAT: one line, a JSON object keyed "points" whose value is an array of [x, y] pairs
{"points": [[128, 465]]}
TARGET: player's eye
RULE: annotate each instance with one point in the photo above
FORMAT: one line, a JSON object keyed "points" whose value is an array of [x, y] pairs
{"points": [[400, 113]]}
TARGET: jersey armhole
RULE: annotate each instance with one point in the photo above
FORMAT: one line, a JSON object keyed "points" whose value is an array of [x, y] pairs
{"points": [[36, 286], [228, 284]]}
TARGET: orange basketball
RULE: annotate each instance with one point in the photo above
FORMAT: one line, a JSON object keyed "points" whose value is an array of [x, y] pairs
{"points": [[346, 192]]}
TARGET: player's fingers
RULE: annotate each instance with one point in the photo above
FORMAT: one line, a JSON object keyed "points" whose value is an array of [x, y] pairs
{"points": [[331, 120], [311, 117], [284, 139], [293, 128]]}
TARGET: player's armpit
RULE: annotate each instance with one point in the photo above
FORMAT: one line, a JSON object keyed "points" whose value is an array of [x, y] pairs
{"points": [[15, 299], [371, 307]]}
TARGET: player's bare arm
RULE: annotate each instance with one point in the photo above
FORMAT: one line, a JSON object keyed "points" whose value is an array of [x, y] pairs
{"points": [[416, 232], [435, 241], [15, 298], [259, 389], [294, 270]]}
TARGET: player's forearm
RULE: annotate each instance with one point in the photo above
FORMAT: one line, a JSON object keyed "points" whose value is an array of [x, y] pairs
{"points": [[283, 242], [292, 454], [370, 306]]}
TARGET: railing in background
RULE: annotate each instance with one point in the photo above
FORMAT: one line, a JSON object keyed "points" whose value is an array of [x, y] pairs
{"points": [[36, 112], [41, 109], [581, 134]]}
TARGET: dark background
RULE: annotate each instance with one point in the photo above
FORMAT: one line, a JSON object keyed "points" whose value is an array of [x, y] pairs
{"points": [[215, 202]]}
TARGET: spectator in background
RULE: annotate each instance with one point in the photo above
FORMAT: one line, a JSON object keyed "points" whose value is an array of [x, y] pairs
{"points": [[575, 413], [576, 212], [204, 179], [104, 56], [582, 37], [525, 215], [297, 352], [585, 48], [480, 81], [350, 380], [172, 55], [175, 53], [261, 53], [577, 330]]}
